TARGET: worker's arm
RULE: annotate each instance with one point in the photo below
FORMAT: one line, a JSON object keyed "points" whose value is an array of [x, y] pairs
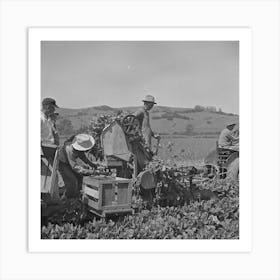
{"points": [[84, 158], [46, 132], [77, 167], [233, 138], [56, 138], [235, 135], [156, 136]]}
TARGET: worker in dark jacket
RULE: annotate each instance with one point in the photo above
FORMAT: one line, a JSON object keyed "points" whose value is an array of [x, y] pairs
{"points": [[229, 138], [74, 164], [144, 119]]}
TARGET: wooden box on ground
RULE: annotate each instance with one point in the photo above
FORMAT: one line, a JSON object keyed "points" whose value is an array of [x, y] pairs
{"points": [[107, 195]]}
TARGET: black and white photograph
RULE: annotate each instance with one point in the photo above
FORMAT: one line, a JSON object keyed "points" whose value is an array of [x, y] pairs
{"points": [[140, 139]]}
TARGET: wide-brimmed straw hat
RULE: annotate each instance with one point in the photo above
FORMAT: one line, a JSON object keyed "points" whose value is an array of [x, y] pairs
{"points": [[83, 142], [149, 98]]}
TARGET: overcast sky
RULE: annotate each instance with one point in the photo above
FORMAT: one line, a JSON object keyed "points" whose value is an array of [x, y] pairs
{"points": [[178, 74]]}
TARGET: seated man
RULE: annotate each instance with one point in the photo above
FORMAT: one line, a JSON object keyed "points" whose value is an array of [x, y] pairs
{"points": [[229, 138], [74, 164]]}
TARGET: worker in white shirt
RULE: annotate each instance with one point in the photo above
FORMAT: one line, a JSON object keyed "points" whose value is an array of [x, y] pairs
{"points": [[49, 136], [229, 138], [53, 118], [47, 125]]}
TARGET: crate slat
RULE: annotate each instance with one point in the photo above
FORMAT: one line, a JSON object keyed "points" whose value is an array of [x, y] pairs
{"points": [[91, 192]]}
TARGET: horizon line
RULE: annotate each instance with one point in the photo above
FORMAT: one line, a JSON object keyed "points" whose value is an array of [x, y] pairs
{"points": [[133, 106]]}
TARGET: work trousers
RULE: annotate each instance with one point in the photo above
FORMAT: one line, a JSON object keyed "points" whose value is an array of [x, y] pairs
{"points": [[72, 181], [139, 153], [147, 135]]}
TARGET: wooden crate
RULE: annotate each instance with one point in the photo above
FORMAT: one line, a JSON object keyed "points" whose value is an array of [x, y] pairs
{"points": [[107, 195]]}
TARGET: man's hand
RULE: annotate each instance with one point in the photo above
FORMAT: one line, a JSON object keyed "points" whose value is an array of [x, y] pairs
{"points": [[95, 172], [156, 136], [98, 165], [90, 172], [94, 165]]}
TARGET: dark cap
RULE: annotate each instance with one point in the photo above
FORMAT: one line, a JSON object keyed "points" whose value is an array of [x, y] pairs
{"points": [[49, 101]]}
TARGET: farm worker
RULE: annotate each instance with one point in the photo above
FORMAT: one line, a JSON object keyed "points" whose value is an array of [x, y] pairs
{"points": [[229, 138], [74, 164], [144, 119], [53, 118], [47, 127]]}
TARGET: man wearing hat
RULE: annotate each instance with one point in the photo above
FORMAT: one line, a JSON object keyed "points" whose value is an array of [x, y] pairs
{"points": [[228, 138], [47, 127], [73, 163], [144, 119]]}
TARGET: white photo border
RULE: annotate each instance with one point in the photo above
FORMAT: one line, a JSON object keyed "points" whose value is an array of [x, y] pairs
{"points": [[36, 35]]}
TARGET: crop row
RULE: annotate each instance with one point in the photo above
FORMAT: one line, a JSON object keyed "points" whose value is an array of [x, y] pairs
{"points": [[212, 219]]}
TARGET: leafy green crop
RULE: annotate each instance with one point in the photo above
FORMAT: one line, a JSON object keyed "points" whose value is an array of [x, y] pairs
{"points": [[212, 219], [181, 209]]}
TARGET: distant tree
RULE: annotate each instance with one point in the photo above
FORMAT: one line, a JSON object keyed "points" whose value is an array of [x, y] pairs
{"points": [[220, 110], [65, 127], [199, 108]]}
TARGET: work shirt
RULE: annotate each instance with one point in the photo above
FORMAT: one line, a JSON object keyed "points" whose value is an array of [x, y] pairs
{"points": [[76, 159], [47, 130], [144, 118], [228, 139], [55, 134]]}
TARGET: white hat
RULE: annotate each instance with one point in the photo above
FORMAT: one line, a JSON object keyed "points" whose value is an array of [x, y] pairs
{"points": [[149, 98], [83, 142]]}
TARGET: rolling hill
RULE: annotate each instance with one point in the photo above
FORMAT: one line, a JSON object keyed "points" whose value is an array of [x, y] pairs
{"points": [[164, 120]]}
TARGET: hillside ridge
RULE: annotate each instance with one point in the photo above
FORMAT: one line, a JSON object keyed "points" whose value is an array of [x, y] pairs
{"points": [[164, 120], [106, 108]]}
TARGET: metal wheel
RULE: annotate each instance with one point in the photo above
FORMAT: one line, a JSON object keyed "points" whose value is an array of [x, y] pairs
{"points": [[131, 125], [211, 171]]}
